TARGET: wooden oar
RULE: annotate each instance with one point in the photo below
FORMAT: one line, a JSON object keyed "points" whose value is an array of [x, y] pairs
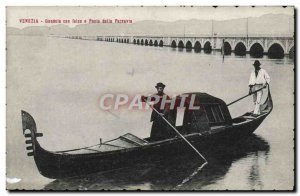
{"points": [[246, 96], [178, 133]]}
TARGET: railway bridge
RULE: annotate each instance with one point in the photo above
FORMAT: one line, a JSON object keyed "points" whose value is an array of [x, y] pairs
{"points": [[275, 46]]}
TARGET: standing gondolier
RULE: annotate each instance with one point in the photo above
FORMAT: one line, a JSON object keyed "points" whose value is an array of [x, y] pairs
{"points": [[259, 78], [160, 129]]}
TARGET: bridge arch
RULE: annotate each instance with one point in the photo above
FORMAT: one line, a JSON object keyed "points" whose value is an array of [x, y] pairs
{"points": [[276, 51], [134, 41], [142, 42], [188, 46], [227, 48], [256, 50], [276, 42], [240, 49], [127, 41], [155, 43], [290, 47], [291, 51], [151, 42], [180, 44], [161, 43], [173, 44], [138, 42], [207, 47], [197, 46], [146, 42]]}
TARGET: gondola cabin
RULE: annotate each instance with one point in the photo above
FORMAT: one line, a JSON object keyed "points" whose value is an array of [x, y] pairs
{"points": [[211, 113]]}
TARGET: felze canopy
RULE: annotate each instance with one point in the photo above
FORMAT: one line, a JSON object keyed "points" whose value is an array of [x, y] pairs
{"points": [[213, 112]]}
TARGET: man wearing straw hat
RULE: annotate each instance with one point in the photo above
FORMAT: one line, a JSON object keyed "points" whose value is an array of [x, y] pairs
{"points": [[259, 78]]}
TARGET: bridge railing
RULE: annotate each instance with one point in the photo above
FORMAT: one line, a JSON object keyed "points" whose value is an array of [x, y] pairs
{"points": [[220, 36]]}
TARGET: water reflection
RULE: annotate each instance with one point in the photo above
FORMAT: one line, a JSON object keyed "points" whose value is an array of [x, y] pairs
{"points": [[172, 174], [254, 177], [282, 60]]}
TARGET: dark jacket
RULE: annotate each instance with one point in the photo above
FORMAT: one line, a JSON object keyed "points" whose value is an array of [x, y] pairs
{"points": [[157, 106]]}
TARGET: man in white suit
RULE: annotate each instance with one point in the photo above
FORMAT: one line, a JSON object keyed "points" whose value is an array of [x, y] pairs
{"points": [[259, 78]]}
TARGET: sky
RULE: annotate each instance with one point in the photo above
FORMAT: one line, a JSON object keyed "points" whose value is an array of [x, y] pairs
{"points": [[14, 14]]}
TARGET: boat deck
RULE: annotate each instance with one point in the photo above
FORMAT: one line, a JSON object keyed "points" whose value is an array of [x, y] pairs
{"points": [[129, 140], [123, 142]]}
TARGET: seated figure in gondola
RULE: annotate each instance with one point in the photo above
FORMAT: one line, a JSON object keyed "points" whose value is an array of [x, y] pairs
{"points": [[160, 129]]}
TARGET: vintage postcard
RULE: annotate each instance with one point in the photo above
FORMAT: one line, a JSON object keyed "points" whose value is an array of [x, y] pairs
{"points": [[150, 98]]}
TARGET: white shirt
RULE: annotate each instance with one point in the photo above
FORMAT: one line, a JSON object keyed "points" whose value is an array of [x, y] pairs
{"points": [[262, 77]]}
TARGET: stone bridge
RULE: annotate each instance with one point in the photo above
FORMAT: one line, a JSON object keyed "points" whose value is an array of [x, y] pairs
{"points": [[257, 46]]}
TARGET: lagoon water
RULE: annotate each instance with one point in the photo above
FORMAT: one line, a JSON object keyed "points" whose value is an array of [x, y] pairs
{"points": [[59, 82]]}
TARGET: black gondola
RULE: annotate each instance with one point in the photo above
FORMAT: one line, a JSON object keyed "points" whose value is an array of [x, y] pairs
{"points": [[206, 128]]}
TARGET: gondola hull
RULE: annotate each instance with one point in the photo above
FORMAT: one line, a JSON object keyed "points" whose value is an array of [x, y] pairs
{"points": [[58, 165]]}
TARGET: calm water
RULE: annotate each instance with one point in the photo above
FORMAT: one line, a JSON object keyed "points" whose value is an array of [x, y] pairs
{"points": [[59, 81]]}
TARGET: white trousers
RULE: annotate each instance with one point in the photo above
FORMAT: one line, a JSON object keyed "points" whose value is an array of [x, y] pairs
{"points": [[257, 98]]}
